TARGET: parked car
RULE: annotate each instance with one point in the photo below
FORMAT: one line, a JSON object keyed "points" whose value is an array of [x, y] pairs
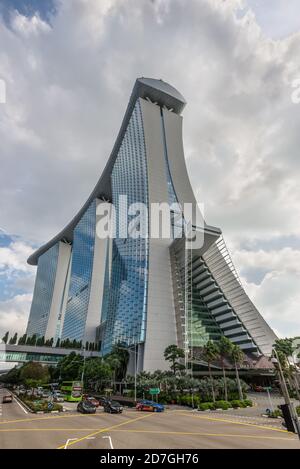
{"points": [[113, 407], [86, 407], [258, 388], [58, 397], [7, 398], [45, 394], [102, 400], [149, 406], [91, 399]]}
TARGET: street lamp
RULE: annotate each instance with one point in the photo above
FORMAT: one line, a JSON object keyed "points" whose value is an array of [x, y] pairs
{"points": [[82, 373], [285, 392]]}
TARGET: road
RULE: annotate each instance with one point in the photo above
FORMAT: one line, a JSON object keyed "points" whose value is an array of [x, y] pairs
{"points": [[172, 429]]}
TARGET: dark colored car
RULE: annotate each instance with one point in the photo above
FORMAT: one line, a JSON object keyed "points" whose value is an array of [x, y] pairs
{"points": [[91, 399], [102, 400], [149, 406], [86, 407], [113, 407], [7, 398]]}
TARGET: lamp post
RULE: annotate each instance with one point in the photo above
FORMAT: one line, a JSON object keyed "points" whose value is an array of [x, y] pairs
{"points": [[82, 373], [135, 351], [285, 392]]}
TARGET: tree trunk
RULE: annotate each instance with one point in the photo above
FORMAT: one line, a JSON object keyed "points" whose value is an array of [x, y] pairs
{"points": [[225, 383], [211, 382], [241, 397]]}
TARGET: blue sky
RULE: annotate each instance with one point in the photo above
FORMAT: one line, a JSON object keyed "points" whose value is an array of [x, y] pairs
{"points": [[69, 73], [45, 8]]}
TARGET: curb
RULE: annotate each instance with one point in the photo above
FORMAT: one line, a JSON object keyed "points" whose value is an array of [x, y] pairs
{"points": [[22, 403]]}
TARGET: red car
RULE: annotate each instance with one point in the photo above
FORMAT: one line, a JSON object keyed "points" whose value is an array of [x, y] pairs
{"points": [[91, 399], [258, 388]]}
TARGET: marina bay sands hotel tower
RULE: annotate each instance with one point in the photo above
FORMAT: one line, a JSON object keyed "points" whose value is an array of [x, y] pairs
{"points": [[145, 292]]}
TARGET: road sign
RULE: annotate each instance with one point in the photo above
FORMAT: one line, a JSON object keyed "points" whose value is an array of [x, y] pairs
{"points": [[154, 391]]}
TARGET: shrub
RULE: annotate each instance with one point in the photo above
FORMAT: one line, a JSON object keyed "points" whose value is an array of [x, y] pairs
{"points": [[41, 406], [236, 404], [298, 410], [206, 406], [222, 405], [248, 403], [276, 413]]}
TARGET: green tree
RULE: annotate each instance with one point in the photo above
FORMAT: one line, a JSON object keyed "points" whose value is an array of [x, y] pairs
{"points": [[96, 372], [5, 337], [13, 340], [237, 356], [121, 353], [225, 347], [34, 371], [22, 339], [285, 346], [285, 349], [57, 343], [12, 377], [173, 354], [69, 368], [114, 364], [210, 353]]}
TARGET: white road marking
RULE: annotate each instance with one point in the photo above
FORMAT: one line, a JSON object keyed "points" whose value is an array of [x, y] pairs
{"points": [[110, 442], [68, 441], [20, 405], [72, 439]]}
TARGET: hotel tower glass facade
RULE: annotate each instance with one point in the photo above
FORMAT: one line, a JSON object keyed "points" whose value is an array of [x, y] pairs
{"points": [[143, 291]]}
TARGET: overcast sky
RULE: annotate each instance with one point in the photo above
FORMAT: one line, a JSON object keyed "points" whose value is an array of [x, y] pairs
{"points": [[69, 67]]}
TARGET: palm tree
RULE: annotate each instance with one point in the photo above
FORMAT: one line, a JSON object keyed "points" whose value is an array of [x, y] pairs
{"points": [[210, 352], [285, 349], [225, 347], [114, 364], [237, 355]]}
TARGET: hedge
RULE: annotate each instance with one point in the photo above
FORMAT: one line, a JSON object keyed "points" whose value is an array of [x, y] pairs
{"points": [[224, 405]]}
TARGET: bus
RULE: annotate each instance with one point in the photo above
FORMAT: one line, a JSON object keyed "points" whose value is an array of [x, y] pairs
{"points": [[72, 390]]}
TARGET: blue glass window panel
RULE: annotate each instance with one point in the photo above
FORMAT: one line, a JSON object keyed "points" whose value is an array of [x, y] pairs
{"points": [[124, 312], [43, 292], [81, 275]]}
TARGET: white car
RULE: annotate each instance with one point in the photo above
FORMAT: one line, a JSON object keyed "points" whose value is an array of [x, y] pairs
{"points": [[58, 397]]}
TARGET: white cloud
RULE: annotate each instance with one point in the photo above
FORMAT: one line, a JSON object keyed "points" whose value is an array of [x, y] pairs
{"points": [[278, 296], [14, 257], [14, 314], [282, 260], [67, 88], [29, 26]]}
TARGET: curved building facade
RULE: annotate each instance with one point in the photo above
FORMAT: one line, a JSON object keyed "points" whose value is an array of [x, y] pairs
{"points": [[132, 287]]}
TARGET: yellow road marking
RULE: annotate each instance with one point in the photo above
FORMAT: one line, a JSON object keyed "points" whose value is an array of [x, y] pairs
{"points": [[114, 430], [46, 429], [50, 417], [206, 434], [264, 427], [102, 430]]}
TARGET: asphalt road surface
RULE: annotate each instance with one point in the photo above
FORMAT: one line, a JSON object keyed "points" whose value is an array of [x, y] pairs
{"points": [[169, 430]]}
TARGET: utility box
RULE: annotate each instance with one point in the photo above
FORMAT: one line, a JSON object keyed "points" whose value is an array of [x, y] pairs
{"points": [[287, 415]]}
